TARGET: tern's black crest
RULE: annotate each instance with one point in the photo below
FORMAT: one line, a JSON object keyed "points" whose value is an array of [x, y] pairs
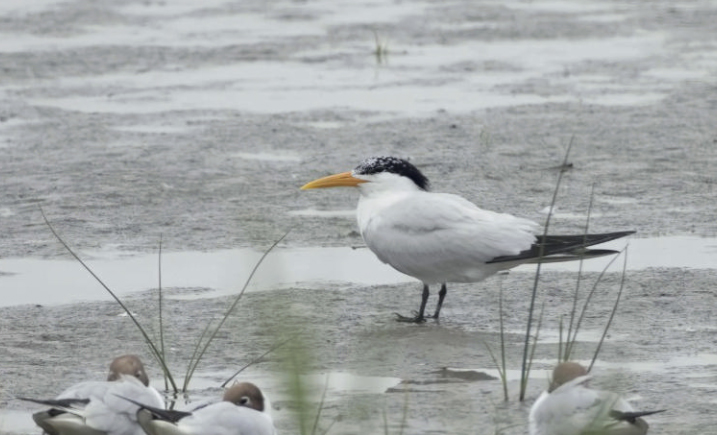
{"points": [[376, 165]]}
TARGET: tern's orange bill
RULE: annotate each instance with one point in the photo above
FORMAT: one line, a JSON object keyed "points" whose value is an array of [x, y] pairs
{"points": [[344, 179]]}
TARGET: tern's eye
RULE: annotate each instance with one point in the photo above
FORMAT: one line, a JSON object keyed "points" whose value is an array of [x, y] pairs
{"points": [[244, 401]]}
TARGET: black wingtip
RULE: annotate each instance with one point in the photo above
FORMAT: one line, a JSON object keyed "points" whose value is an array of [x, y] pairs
{"points": [[572, 246], [631, 417], [62, 403], [620, 234], [161, 414], [589, 253], [28, 399]]}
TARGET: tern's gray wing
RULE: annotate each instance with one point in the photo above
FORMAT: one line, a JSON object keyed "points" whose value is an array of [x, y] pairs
{"points": [[442, 237]]}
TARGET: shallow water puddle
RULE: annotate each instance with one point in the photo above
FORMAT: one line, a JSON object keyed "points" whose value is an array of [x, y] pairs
{"points": [[338, 384], [172, 27], [30, 281], [279, 87], [14, 421], [417, 81], [674, 363], [511, 374], [553, 336], [35, 281], [674, 251]]}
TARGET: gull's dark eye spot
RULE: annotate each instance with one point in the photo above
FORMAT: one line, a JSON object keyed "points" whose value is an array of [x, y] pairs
{"points": [[244, 401]]}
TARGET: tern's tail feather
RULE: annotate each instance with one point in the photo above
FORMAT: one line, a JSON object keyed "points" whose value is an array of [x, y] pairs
{"points": [[548, 249], [582, 254]]}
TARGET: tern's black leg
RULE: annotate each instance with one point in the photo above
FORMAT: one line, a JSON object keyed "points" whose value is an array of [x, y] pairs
{"points": [[419, 317], [441, 297]]}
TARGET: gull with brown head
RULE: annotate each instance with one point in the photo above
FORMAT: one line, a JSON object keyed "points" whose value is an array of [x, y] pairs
{"points": [[93, 408], [570, 407], [243, 410]]}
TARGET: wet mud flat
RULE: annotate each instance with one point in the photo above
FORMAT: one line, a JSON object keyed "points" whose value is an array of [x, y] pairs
{"points": [[127, 122], [203, 133], [659, 351]]}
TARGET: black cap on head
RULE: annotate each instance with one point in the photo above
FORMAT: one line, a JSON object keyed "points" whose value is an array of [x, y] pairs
{"points": [[376, 165]]}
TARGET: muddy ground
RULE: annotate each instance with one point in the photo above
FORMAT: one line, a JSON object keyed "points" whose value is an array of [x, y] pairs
{"points": [[113, 173], [660, 350]]}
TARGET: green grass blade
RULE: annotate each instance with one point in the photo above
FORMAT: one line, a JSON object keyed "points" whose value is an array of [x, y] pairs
{"points": [[193, 367], [614, 310], [333, 422], [380, 49], [573, 340], [159, 294], [501, 371], [503, 377], [526, 345], [580, 274], [299, 393], [257, 359], [195, 352], [155, 352], [321, 405], [560, 339], [524, 383]]}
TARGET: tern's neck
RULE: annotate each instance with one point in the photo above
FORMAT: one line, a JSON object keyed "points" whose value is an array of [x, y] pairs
{"points": [[389, 186], [376, 198]]}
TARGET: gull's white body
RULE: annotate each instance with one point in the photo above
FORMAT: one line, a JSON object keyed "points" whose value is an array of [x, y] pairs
{"points": [[437, 237], [106, 413], [574, 409], [221, 418]]}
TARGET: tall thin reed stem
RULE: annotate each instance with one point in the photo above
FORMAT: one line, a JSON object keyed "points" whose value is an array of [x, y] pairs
{"points": [[524, 367], [193, 364], [580, 273], [503, 375], [257, 359], [614, 310], [160, 308], [321, 405], [572, 340], [155, 352]]}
